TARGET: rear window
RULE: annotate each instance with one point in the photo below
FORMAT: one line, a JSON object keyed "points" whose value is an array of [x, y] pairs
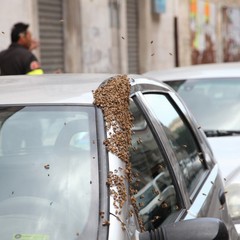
{"points": [[214, 102]]}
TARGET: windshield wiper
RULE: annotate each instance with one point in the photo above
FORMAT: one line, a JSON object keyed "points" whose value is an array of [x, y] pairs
{"points": [[221, 133]]}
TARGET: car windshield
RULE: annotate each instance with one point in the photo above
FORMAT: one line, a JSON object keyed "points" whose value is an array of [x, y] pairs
{"points": [[214, 102], [47, 163]]}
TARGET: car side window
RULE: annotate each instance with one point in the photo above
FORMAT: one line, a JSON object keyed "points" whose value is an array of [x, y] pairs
{"points": [[152, 183], [180, 137]]}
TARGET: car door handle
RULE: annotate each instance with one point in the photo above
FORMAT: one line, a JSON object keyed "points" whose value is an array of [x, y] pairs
{"points": [[222, 197]]}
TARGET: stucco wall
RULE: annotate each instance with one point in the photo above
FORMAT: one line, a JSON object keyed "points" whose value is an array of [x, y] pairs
{"points": [[93, 44], [12, 11], [118, 50], [185, 42], [96, 40], [87, 36], [72, 36], [156, 37]]}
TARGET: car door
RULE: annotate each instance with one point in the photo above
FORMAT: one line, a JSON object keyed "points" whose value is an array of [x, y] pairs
{"points": [[175, 176]]}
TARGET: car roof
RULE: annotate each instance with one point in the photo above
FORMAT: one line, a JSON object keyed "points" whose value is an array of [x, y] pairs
{"points": [[57, 88], [218, 70]]}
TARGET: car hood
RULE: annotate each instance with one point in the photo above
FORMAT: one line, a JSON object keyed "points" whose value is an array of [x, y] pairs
{"points": [[227, 153]]}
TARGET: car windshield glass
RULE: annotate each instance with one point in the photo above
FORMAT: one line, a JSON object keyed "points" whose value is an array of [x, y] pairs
{"points": [[48, 173], [214, 102]]}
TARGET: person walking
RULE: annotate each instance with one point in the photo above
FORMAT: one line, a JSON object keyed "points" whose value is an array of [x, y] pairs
{"points": [[18, 59]]}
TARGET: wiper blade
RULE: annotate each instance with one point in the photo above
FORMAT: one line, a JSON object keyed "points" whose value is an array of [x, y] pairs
{"points": [[220, 133]]}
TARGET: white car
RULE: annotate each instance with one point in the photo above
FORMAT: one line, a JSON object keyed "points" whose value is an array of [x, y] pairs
{"points": [[212, 93], [103, 156]]}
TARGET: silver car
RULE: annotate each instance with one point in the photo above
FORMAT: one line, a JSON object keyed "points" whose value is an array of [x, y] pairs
{"points": [[102, 156], [212, 93]]}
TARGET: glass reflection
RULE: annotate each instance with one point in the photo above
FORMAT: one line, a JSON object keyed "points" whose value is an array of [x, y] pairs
{"points": [[154, 190], [180, 138]]}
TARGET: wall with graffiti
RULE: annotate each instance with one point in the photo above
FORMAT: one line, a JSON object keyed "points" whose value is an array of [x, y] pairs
{"points": [[203, 29], [230, 34]]}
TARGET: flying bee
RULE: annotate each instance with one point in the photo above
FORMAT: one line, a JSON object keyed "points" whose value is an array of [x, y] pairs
{"points": [[47, 166], [164, 205], [106, 223], [155, 191], [142, 196]]}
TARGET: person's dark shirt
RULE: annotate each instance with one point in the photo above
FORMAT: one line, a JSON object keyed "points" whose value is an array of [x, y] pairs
{"points": [[17, 60]]}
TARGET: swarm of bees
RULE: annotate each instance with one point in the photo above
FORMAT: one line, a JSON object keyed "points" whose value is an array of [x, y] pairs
{"points": [[113, 98], [117, 189]]}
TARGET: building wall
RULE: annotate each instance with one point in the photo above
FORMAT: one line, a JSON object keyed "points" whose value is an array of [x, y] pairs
{"points": [[95, 33], [156, 37], [118, 29], [72, 36], [186, 43], [13, 11], [96, 40], [101, 39], [88, 38], [122, 33], [229, 31]]}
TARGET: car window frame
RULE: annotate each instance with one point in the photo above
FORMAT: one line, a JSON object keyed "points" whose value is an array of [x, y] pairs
{"points": [[148, 125], [198, 133], [103, 170], [181, 189], [189, 123], [163, 144], [196, 128]]}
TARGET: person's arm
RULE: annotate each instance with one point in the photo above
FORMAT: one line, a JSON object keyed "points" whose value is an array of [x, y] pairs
{"points": [[33, 66]]}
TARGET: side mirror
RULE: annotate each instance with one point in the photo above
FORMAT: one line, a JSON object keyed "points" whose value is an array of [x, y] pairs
{"points": [[197, 229]]}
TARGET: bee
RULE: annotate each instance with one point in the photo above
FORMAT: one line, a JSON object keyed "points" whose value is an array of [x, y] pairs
{"points": [[164, 205], [106, 223], [142, 196], [101, 214], [46, 166], [139, 141], [155, 191], [155, 218]]}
